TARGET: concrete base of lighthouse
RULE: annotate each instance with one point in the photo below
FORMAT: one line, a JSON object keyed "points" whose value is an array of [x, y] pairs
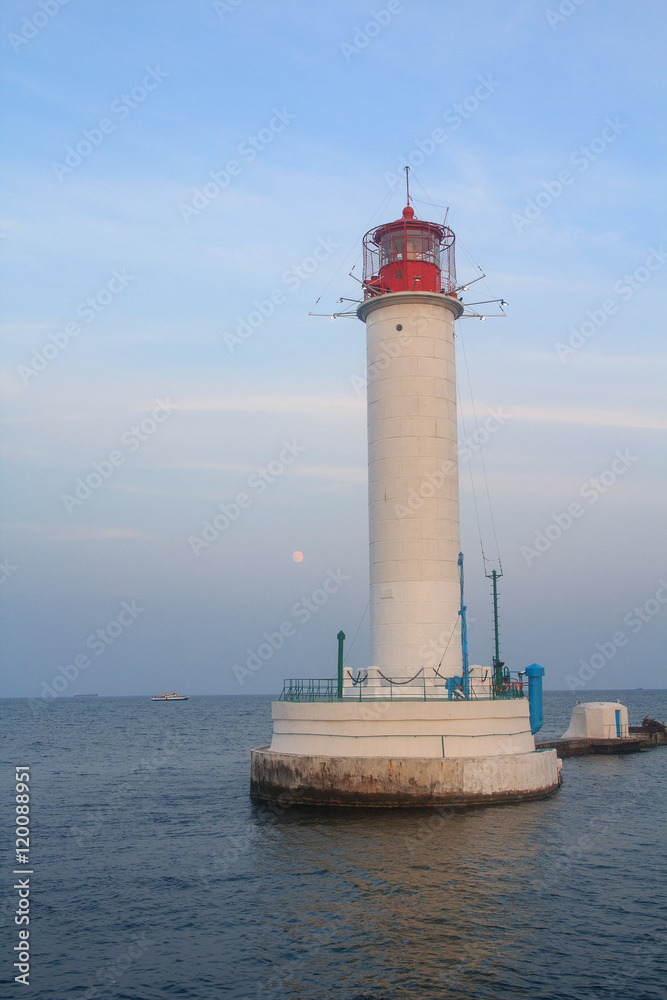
{"points": [[402, 754], [385, 782]]}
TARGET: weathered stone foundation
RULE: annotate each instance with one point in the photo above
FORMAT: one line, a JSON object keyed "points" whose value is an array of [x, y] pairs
{"points": [[402, 782]]}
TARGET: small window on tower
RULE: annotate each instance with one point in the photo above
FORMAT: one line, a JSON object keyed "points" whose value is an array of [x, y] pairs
{"points": [[398, 274]]}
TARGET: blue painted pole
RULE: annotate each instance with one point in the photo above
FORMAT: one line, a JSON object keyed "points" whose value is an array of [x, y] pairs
{"points": [[535, 673], [464, 636]]}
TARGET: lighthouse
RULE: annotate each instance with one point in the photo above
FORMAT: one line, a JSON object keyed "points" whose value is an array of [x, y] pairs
{"points": [[418, 725]]}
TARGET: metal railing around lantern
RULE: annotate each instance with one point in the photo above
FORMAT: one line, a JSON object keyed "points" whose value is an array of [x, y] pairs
{"points": [[409, 255]]}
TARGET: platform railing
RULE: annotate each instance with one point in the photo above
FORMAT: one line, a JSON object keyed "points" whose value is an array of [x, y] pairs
{"points": [[372, 685], [309, 689], [509, 687]]}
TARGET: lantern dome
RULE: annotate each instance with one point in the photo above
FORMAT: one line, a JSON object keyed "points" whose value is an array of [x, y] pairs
{"points": [[409, 255]]}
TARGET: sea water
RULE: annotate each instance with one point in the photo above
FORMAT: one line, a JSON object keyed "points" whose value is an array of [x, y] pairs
{"points": [[155, 876]]}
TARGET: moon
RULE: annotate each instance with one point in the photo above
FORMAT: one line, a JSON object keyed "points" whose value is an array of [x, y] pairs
{"points": [[297, 556]]}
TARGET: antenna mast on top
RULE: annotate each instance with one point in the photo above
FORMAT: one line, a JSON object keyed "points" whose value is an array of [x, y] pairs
{"points": [[407, 183]]}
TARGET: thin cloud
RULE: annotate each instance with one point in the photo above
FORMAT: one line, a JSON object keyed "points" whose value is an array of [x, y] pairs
{"points": [[272, 404], [590, 418], [84, 532], [340, 473], [75, 532]]}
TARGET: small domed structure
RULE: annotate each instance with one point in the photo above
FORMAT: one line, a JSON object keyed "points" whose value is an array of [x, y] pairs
{"points": [[598, 720]]}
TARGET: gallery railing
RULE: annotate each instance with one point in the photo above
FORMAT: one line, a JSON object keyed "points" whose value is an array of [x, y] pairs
{"points": [[418, 687]]}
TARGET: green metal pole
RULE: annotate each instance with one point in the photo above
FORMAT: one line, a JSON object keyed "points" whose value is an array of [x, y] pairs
{"points": [[495, 613], [497, 662], [497, 675], [341, 640]]}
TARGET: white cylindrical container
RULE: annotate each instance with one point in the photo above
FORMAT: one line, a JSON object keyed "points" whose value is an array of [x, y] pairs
{"points": [[413, 483]]}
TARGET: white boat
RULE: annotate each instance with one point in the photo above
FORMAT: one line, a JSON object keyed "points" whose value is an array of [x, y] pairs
{"points": [[170, 696]]}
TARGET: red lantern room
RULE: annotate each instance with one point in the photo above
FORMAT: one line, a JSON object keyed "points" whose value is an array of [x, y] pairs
{"points": [[409, 256]]}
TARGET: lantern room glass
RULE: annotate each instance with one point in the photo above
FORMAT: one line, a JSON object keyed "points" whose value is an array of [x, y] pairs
{"points": [[411, 243]]}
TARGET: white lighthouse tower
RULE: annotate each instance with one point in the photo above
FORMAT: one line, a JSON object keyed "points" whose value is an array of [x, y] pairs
{"points": [[409, 309], [418, 726]]}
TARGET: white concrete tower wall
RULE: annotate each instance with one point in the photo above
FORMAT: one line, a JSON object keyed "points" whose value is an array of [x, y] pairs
{"points": [[413, 482]]}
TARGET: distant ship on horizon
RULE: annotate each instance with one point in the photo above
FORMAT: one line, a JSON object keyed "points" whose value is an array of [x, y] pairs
{"points": [[170, 696], [84, 695]]}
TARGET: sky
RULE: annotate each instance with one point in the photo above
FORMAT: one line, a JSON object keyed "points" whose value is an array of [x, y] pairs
{"points": [[183, 184]]}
